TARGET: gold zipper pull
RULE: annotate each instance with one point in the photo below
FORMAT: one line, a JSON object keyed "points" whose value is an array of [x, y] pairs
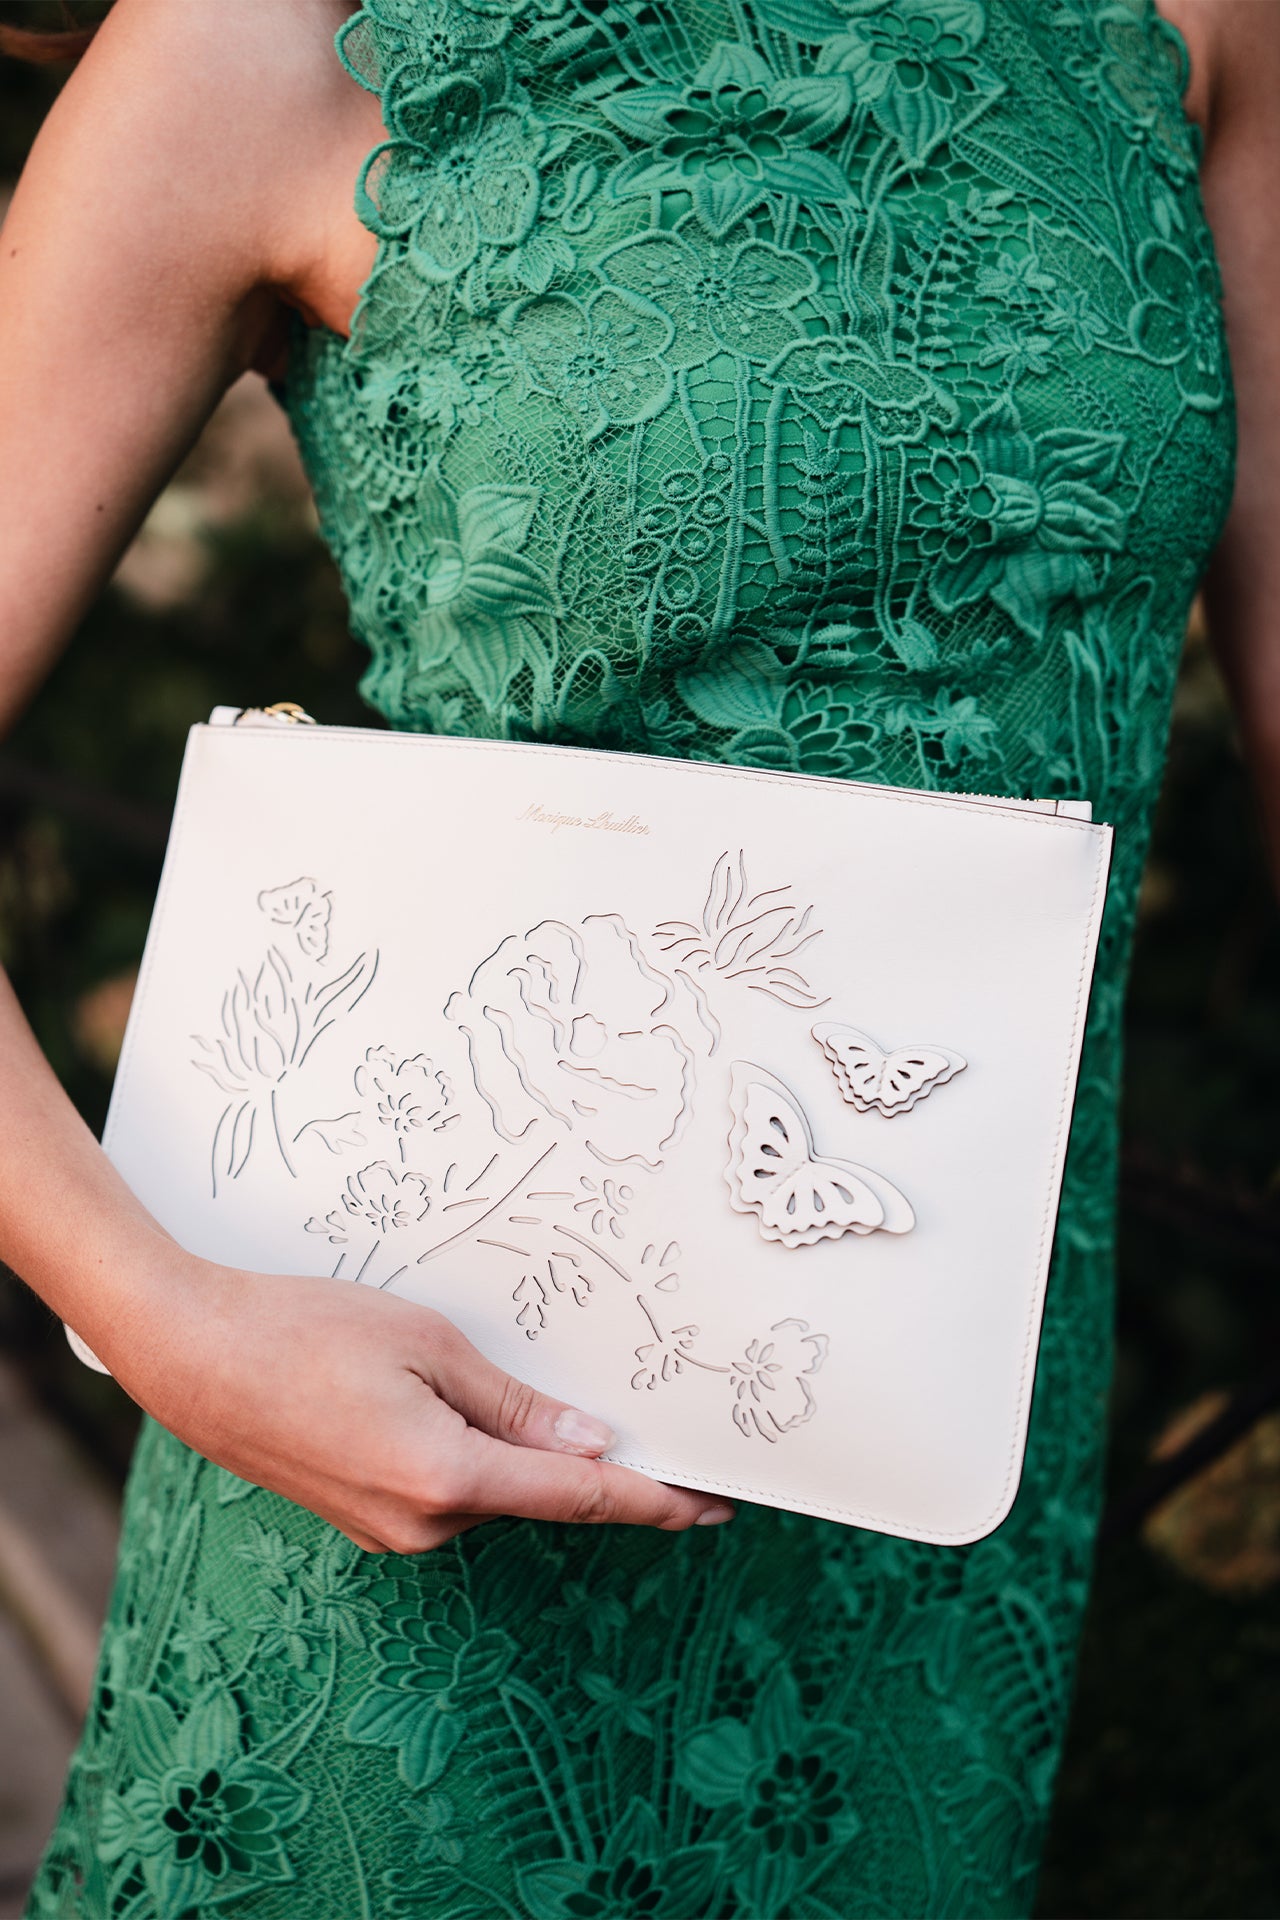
{"points": [[281, 713]]}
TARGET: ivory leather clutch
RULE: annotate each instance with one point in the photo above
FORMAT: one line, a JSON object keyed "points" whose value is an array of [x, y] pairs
{"points": [[729, 1105]]}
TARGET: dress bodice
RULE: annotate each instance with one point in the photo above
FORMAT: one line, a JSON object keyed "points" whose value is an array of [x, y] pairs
{"points": [[828, 384]]}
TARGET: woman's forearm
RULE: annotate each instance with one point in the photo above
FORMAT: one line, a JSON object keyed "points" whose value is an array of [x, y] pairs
{"points": [[69, 1226]]}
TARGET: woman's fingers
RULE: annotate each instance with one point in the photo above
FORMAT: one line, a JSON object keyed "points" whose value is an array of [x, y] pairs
{"points": [[537, 1485], [510, 1409]]}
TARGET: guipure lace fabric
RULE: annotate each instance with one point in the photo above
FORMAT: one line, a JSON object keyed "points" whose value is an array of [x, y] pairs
{"points": [[836, 385]]}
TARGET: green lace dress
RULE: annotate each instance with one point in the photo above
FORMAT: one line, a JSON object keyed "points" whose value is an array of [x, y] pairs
{"points": [[835, 385]]}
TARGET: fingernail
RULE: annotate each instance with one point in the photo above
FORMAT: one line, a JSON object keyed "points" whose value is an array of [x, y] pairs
{"points": [[580, 1430], [713, 1516]]}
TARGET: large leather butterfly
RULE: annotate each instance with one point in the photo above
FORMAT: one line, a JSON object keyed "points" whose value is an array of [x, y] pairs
{"points": [[797, 1196]]}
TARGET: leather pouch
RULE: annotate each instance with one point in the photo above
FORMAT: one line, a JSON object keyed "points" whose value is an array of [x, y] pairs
{"points": [[729, 1105]]}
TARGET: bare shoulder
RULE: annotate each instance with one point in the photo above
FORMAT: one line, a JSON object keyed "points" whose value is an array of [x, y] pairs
{"points": [[1234, 49], [239, 111]]}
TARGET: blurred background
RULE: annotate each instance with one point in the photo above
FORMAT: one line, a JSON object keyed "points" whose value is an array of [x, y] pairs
{"points": [[1167, 1803]]}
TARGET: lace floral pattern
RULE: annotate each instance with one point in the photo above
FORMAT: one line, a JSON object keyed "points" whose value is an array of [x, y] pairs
{"points": [[837, 385]]}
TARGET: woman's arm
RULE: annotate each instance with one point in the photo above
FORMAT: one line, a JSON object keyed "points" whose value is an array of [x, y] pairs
{"points": [[200, 159], [1235, 44]]}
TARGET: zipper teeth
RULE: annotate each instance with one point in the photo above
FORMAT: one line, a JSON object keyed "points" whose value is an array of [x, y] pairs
{"points": [[285, 715]]}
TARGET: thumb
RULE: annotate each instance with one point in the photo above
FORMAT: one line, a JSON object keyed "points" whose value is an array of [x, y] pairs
{"points": [[510, 1409]]}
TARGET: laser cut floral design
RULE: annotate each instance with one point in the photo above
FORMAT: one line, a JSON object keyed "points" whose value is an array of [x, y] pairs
{"points": [[302, 906], [665, 1356], [771, 1381], [410, 1098], [271, 1018], [379, 1196], [603, 1204], [563, 1276], [571, 1023], [386, 1198], [751, 937], [406, 1096], [950, 1785]]}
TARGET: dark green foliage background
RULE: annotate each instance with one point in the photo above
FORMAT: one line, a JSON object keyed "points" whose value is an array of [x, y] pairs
{"points": [[1168, 1798]]}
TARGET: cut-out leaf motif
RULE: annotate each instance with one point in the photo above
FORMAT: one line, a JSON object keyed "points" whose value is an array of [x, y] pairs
{"points": [[751, 937]]}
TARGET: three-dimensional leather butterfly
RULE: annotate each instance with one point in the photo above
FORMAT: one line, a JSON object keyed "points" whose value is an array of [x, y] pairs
{"points": [[890, 1083], [798, 1197], [302, 906]]}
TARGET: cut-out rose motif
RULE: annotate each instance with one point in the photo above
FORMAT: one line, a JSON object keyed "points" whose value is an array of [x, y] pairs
{"points": [[574, 1025]]}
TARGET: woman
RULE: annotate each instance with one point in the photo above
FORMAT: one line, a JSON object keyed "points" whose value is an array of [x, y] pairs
{"points": [[845, 386]]}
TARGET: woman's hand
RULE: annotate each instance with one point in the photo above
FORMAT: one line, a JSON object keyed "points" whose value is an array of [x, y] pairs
{"points": [[377, 1414]]}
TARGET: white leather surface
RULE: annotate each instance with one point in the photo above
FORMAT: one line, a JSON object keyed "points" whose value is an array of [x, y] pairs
{"points": [[489, 1172]]}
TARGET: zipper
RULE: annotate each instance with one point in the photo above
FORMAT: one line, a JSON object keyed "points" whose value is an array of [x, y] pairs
{"points": [[287, 713]]}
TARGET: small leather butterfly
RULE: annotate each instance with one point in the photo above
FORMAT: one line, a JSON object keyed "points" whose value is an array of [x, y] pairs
{"points": [[773, 1171], [302, 906], [891, 1083]]}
